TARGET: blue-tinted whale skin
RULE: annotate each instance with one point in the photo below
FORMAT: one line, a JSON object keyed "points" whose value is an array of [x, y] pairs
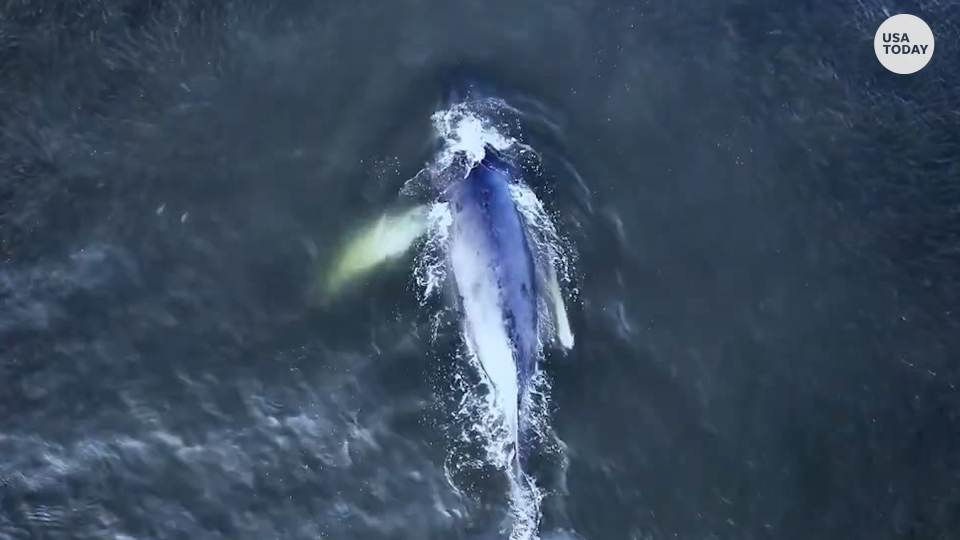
{"points": [[485, 215]]}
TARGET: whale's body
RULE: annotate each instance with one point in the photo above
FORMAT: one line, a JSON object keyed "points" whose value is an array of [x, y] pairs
{"points": [[502, 277], [495, 274]]}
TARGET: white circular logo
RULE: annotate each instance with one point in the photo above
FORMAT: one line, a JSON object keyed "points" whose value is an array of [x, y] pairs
{"points": [[904, 44]]}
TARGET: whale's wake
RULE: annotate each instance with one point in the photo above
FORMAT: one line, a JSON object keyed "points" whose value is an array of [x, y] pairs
{"points": [[486, 376]]}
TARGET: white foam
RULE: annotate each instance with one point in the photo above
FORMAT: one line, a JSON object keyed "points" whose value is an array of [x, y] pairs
{"points": [[546, 237], [464, 130], [431, 270]]}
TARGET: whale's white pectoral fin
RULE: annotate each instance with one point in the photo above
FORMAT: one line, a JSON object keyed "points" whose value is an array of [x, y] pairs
{"points": [[558, 311], [560, 319], [386, 239]]}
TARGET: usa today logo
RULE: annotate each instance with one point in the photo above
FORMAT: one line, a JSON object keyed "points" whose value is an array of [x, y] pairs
{"points": [[904, 44]]}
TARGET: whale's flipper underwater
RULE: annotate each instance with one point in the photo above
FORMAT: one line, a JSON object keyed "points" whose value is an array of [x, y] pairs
{"points": [[385, 240], [561, 322], [502, 277]]}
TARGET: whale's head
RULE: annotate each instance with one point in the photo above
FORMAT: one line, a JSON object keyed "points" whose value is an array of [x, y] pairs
{"points": [[468, 88], [494, 168], [498, 162]]}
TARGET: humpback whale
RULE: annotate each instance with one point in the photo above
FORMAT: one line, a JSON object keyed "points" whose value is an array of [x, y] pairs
{"points": [[500, 282]]}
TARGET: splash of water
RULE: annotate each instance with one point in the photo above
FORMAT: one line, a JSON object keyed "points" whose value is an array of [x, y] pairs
{"points": [[466, 130], [430, 270]]}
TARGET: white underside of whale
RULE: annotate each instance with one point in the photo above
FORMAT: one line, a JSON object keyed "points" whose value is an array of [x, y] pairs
{"points": [[484, 328]]}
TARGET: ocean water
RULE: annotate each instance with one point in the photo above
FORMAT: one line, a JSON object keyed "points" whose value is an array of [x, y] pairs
{"points": [[760, 223]]}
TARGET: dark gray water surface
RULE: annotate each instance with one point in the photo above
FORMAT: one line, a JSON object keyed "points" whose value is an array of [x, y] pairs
{"points": [[767, 237]]}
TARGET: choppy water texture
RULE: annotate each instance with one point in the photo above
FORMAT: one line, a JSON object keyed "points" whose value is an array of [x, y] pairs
{"points": [[766, 239]]}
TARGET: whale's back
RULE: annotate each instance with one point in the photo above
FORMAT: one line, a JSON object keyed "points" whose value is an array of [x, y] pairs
{"points": [[494, 271]]}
